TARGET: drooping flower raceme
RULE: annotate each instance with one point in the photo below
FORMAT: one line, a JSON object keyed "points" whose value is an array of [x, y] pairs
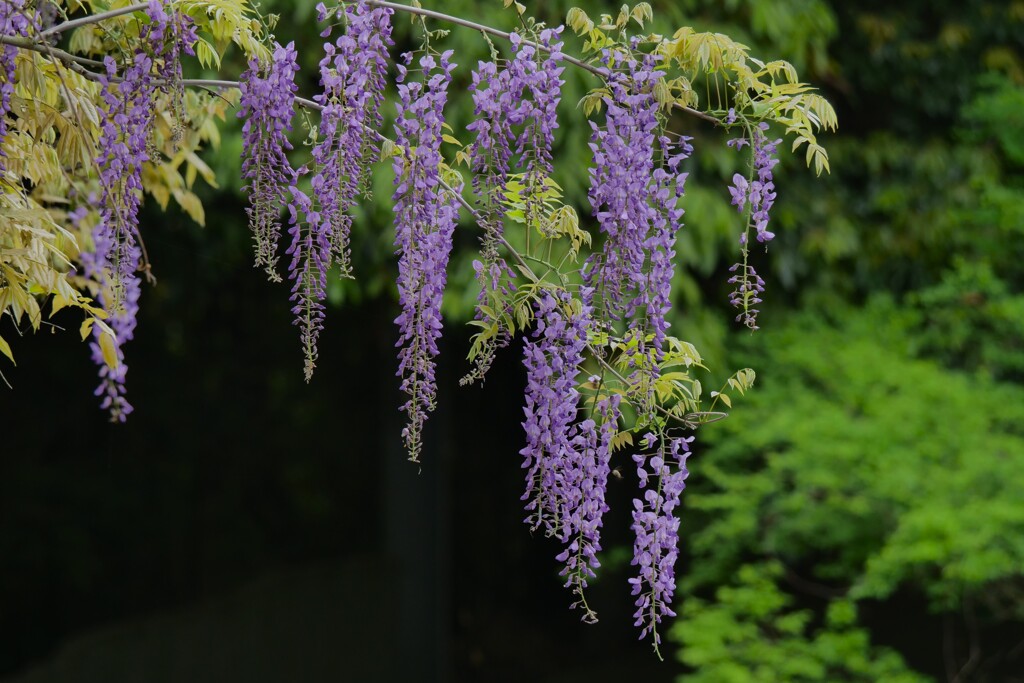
{"points": [[425, 217], [636, 203], [662, 474], [268, 98], [587, 481], [665, 189], [173, 33], [756, 195], [566, 462], [490, 154], [539, 77], [352, 74], [122, 151], [128, 99], [516, 104], [619, 189], [747, 293], [310, 252], [122, 321], [552, 357]]}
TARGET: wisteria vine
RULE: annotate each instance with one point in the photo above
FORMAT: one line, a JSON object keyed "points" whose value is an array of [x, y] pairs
{"points": [[425, 217], [129, 97], [352, 75], [604, 374]]}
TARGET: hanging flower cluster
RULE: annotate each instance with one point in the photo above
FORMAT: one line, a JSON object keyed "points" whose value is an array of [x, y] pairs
{"points": [[13, 23], [586, 481], [516, 103], [747, 293], [635, 201], [756, 195], [425, 218], [759, 194], [352, 74], [552, 358], [268, 99], [665, 189], [619, 180], [662, 477], [566, 463], [310, 250], [111, 389], [128, 96], [539, 77], [175, 33]]}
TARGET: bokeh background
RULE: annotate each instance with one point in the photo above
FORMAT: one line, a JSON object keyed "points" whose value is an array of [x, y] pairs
{"points": [[859, 516]]}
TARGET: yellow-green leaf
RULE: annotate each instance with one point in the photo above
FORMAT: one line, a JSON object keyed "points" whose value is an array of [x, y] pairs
{"points": [[5, 349], [109, 349]]}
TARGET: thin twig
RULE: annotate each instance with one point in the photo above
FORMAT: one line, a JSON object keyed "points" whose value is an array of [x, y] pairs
{"points": [[93, 18], [398, 7], [596, 70]]}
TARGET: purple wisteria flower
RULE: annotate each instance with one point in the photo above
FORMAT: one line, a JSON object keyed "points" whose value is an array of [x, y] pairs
{"points": [[352, 74], [516, 104], [665, 188], [128, 98], [268, 99], [425, 217], [173, 32], [122, 151], [619, 181], [662, 473], [636, 202], [758, 195], [536, 77], [586, 483], [490, 153], [747, 293], [13, 24], [310, 250], [552, 357], [122, 321]]}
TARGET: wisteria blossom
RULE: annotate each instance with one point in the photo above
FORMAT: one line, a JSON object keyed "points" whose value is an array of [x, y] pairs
{"points": [[756, 195], [662, 474], [552, 357], [516, 106], [636, 202], [586, 484], [665, 189], [128, 98], [536, 76], [268, 98], [746, 294], [175, 33], [425, 217], [352, 74], [111, 389], [619, 179], [310, 252]]}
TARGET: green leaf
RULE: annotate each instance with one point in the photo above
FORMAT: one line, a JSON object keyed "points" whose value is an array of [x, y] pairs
{"points": [[109, 348], [5, 349]]}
